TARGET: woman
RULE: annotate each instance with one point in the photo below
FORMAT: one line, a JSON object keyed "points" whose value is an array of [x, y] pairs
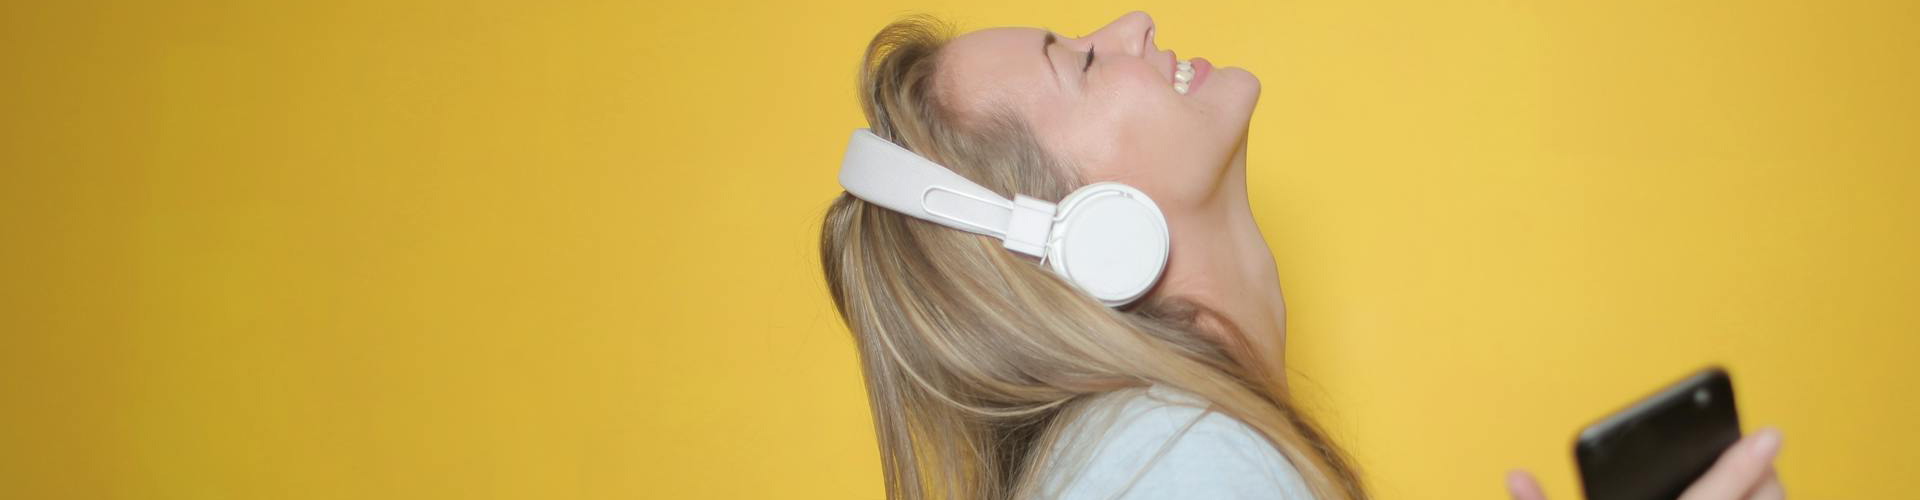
{"points": [[990, 376]]}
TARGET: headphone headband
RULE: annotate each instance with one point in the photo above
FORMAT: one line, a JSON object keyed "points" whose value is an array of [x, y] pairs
{"points": [[1109, 239], [885, 174]]}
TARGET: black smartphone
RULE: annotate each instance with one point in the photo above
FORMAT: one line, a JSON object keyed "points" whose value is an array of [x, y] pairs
{"points": [[1657, 447]]}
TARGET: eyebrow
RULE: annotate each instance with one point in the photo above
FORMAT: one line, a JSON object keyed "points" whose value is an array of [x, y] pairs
{"points": [[1046, 44]]}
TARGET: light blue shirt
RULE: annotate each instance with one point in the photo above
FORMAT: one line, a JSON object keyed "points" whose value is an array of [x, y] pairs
{"points": [[1164, 443]]}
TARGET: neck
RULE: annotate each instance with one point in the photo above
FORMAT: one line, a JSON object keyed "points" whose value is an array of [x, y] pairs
{"points": [[1220, 260]]}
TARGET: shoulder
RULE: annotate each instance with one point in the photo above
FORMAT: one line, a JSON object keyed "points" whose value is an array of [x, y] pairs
{"points": [[1164, 443]]}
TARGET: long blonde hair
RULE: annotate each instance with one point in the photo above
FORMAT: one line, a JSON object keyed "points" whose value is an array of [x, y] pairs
{"points": [[977, 359]]}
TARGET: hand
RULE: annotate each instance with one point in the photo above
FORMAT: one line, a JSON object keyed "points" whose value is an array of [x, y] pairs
{"points": [[1744, 472]]}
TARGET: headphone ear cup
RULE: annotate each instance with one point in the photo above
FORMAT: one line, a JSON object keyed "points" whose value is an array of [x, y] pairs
{"points": [[1111, 241]]}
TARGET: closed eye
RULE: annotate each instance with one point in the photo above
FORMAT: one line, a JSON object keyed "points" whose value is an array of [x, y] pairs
{"points": [[1083, 69]]}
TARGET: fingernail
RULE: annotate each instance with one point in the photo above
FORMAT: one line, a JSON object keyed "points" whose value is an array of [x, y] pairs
{"points": [[1766, 442]]}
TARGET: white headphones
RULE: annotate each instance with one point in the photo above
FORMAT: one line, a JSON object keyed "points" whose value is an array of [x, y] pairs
{"points": [[1106, 238]]}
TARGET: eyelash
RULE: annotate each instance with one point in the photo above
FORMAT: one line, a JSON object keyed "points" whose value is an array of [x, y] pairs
{"points": [[1083, 69]]}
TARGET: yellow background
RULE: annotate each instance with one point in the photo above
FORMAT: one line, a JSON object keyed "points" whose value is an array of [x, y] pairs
{"points": [[376, 249]]}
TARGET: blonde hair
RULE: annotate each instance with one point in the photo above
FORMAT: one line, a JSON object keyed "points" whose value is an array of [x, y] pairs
{"points": [[977, 359]]}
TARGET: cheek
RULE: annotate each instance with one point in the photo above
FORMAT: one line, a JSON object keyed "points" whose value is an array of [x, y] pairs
{"points": [[1171, 170], [1136, 130], [1158, 141]]}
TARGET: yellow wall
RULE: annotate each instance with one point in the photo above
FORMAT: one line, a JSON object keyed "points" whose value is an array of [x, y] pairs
{"points": [[454, 249]]}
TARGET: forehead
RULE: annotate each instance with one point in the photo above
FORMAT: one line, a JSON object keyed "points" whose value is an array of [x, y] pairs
{"points": [[997, 66]]}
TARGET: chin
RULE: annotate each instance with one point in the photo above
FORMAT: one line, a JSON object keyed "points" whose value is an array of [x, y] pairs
{"points": [[1237, 91], [1245, 84], [1244, 75]]}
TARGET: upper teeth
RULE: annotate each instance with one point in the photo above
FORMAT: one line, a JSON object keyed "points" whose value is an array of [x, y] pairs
{"points": [[1182, 73]]}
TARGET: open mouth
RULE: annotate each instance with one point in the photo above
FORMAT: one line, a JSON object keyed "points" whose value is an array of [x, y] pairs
{"points": [[1188, 74]]}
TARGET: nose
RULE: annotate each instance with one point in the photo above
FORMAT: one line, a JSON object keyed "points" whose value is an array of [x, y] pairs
{"points": [[1132, 32]]}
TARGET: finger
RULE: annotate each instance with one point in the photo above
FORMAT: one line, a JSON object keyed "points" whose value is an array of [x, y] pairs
{"points": [[1739, 470], [1522, 486], [1770, 488]]}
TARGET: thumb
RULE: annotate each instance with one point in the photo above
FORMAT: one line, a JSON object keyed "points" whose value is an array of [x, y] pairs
{"points": [[1740, 469], [1522, 486]]}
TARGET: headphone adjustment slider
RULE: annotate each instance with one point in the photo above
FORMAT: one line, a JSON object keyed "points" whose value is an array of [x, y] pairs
{"points": [[1029, 225]]}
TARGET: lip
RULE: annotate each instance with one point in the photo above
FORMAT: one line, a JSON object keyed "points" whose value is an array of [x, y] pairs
{"points": [[1173, 64], [1201, 68]]}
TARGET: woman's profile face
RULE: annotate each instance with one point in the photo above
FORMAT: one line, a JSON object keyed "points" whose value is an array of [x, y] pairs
{"points": [[1117, 116]]}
